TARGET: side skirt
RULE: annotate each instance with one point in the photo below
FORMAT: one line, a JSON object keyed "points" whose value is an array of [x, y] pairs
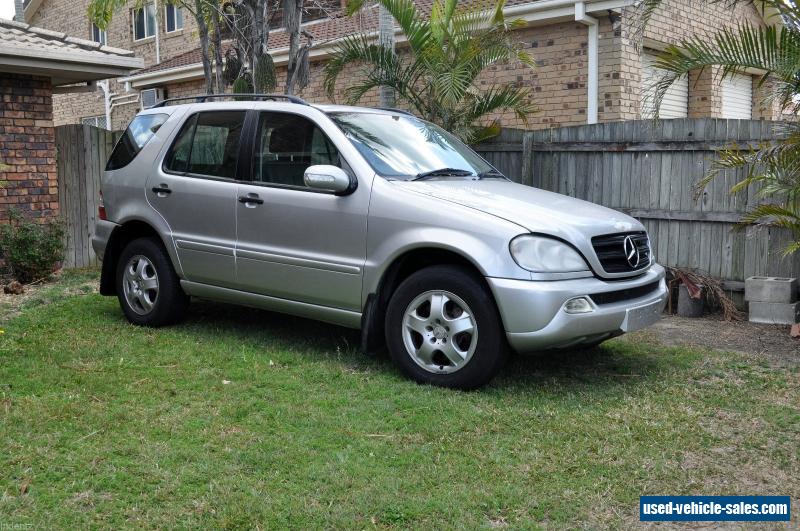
{"points": [[335, 316]]}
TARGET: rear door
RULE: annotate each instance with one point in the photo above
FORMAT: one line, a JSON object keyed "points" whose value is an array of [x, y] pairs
{"points": [[194, 190], [294, 242]]}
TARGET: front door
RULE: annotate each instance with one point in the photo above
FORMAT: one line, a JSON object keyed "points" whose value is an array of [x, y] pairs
{"points": [[293, 242], [195, 192]]}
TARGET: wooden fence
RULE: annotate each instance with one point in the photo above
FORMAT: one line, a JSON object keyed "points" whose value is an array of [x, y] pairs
{"points": [[648, 170], [82, 152]]}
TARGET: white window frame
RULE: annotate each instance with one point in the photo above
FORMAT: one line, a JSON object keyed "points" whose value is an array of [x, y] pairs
{"points": [[150, 7], [99, 35], [177, 10]]}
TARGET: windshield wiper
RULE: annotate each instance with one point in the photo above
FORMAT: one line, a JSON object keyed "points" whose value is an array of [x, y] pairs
{"points": [[443, 172], [490, 173]]}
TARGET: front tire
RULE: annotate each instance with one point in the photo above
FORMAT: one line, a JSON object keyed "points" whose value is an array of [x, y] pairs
{"points": [[148, 288], [443, 328]]}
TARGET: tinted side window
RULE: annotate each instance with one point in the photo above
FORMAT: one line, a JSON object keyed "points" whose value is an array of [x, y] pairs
{"points": [[287, 144], [208, 144], [139, 131], [178, 157]]}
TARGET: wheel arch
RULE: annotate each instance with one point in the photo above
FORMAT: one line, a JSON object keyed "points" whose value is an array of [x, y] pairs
{"points": [[400, 268], [119, 238]]}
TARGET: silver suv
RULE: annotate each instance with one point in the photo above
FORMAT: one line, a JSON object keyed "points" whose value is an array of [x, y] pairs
{"points": [[369, 219]]}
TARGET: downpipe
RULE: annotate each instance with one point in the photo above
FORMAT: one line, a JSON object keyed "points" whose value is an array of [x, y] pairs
{"points": [[592, 80]]}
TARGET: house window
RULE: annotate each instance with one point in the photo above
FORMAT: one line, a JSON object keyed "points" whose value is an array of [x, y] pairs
{"points": [[173, 15], [675, 103], [95, 121], [144, 22], [737, 97], [98, 35]]}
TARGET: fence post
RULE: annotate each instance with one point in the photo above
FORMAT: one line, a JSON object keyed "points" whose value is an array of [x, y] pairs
{"points": [[527, 158]]}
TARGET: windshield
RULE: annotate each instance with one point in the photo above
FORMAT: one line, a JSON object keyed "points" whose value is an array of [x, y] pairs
{"points": [[403, 147]]}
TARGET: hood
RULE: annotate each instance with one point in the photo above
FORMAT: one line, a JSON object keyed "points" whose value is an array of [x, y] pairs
{"points": [[532, 208], [572, 220]]}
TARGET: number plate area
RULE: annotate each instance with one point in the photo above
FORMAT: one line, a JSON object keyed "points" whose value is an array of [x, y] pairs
{"points": [[642, 316]]}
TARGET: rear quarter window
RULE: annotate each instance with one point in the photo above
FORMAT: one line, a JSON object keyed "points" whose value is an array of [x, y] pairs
{"points": [[139, 132]]}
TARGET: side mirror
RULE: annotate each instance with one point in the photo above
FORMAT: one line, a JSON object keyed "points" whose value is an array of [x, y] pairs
{"points": [[327, 178]]}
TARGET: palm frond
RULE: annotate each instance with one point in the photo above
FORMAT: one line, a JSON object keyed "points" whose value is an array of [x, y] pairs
{"points": [[381, 67], [492, 101]]}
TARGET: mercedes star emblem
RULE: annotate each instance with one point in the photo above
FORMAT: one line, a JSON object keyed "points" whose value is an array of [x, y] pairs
{"points": [[631, 252]]}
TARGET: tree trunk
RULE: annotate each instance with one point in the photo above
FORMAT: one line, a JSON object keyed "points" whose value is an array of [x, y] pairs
{"points": [[259, 33], [202, 30], [218, 50], [386, 96], [292, 16]]}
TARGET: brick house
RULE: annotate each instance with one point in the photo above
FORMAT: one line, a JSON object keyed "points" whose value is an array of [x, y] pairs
{"points": [[35, 65], [588, 70]]}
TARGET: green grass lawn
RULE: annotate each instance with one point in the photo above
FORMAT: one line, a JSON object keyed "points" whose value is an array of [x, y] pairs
{"points": [[242, 418]]}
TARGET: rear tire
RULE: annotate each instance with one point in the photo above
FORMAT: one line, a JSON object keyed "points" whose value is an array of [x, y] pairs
{"points": [[443, 328], [148, 289]]}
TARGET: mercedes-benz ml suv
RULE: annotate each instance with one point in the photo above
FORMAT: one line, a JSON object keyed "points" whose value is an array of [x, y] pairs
{"points": [[366, 218]]}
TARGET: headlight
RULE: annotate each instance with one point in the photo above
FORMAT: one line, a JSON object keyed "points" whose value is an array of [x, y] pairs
{"points": [[545, 255]]}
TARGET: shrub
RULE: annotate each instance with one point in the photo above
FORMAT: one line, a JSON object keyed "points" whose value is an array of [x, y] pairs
{"points": [[32, 249], [243, 85]]}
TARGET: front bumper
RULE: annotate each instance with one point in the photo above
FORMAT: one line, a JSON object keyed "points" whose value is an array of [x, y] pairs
{"points": [[534, 317]]}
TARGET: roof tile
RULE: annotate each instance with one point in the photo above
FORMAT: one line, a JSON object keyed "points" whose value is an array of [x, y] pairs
{"points": [[16, 35]]}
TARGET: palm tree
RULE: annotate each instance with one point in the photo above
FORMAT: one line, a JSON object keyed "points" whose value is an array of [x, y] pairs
{"points": [[774, 52], [437, 77]]}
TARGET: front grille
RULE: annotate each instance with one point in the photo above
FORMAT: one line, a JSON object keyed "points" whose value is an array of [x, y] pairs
{"points": [[611, 251], [610, 297]]}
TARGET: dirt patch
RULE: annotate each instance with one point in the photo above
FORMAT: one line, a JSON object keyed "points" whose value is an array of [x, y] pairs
{"points": [[11, 305], [770, 342], [62, 284]]}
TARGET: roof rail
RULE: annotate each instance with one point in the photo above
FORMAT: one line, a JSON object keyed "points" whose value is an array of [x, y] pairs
{"points": [[201, 98], [393, 109]]}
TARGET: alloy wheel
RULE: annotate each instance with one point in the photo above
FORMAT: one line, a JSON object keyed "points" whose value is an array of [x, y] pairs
{"points": [[440, 332], [140, 284]]}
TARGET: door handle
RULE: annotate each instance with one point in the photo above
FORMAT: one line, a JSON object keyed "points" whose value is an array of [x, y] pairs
{"points": [[162, 190], [251, 198]]}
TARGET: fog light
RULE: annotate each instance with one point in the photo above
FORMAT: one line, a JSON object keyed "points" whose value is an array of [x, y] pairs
{"points": [[578, 305]]}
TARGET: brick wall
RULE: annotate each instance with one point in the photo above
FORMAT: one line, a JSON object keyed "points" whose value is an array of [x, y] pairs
{"points": [[28, 178]]}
